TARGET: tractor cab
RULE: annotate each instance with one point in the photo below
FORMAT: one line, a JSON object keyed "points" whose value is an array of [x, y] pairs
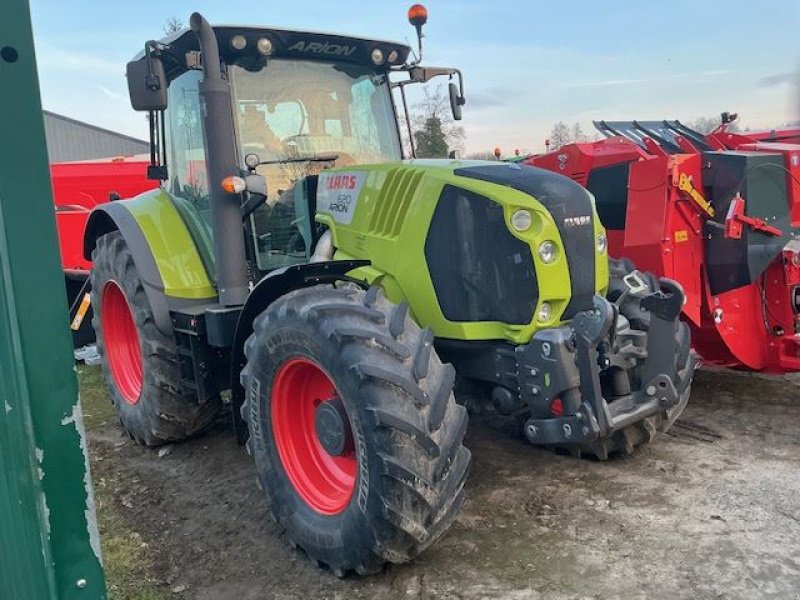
{"points": [[286, 105]]}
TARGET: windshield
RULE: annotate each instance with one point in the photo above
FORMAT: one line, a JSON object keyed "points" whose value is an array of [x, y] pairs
{"points": [[294, 109]]}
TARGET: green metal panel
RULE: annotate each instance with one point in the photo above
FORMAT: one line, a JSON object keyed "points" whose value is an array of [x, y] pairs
{"points": [[175, 252], [390, 225], [49, 547]]}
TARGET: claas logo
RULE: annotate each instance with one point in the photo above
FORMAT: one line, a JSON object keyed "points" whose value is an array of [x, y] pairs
{"points": [[342, 182]]}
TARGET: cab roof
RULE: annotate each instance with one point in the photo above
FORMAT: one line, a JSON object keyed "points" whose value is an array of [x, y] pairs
{"points": [[306, 45]]}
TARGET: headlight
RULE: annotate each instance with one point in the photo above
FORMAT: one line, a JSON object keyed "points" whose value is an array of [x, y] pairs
{"points": [[602, 243], [264, 46], [238, 42], [393, 56], [547, 252], [521, 220], [377, 56], [544, 313]]}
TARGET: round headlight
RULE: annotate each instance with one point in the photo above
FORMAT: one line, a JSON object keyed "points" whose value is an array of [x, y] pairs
{"points": [[264, 46], [602, 243], [377, 56], [547, 252], [521, 220], [393, 56], [238, 42], [544, 313]]}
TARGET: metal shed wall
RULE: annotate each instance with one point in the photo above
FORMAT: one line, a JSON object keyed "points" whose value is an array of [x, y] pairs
{"points": [[69, 139]]}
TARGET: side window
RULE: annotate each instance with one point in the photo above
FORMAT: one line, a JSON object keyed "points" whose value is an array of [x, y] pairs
{"points": [[186, 163], [186, 153], [369, 115]]}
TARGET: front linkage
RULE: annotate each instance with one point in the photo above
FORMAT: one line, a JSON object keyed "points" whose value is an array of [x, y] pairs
{"points": [[604, 383], [610, 373]]}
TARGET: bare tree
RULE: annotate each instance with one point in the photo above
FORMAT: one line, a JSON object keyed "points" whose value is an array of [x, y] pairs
{"points": [[432, 124], [560, 135], [577, 134], [173, 25]]}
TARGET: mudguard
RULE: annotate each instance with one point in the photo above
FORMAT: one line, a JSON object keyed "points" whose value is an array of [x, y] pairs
{"points": [[164, 252], [270, 288]]}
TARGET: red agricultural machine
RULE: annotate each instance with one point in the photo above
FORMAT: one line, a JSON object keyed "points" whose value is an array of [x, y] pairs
{"points": [[717, 212], [77, 188]]}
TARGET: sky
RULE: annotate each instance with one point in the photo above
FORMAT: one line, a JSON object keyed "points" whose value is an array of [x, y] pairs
{"points": [[527, 64]]}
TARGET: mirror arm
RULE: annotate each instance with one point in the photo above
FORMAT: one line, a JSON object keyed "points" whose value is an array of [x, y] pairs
{"points": [[408, 121], [419, 74], [151, 81]]}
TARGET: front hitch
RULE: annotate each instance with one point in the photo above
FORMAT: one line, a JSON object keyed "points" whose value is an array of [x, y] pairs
{"points": [[586, 353]]}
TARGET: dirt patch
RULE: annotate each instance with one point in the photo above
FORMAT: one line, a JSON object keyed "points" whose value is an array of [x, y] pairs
{"points": [[711, 510]]}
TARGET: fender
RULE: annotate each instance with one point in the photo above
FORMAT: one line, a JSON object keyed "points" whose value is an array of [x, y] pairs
{"points": [[164, 252], [113, 216], [270, 288]]}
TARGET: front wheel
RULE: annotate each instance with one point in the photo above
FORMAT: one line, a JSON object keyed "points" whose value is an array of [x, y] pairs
{"points": [[355, 432]]}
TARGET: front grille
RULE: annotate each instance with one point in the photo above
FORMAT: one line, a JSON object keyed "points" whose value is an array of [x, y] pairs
{"points": [[480, 271], [566, 201]]}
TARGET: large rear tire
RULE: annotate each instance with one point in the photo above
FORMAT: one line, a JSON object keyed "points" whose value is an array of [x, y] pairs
{"points": [[643, 432], [384, 478], [139, 362]]}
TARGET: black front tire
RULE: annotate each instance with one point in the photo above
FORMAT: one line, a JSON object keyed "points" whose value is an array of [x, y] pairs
{"points": [[407, 427]]}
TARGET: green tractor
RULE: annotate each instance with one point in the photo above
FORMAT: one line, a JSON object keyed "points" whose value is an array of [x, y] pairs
{"points": [[335, 307]]}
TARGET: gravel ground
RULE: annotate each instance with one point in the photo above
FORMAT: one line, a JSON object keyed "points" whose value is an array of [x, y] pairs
{"points": [[711, 510]]}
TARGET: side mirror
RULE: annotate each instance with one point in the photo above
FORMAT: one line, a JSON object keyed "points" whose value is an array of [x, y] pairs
{"points": [[147, 84], [456, 101]]}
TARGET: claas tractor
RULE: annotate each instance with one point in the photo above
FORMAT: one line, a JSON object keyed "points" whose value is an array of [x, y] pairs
{"points": [[293, 263], [718, 212]]}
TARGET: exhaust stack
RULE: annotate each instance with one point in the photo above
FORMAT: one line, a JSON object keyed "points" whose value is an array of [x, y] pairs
{"points": [[226, 216]]}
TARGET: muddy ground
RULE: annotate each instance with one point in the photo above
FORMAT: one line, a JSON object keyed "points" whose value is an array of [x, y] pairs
{"points": [[711, 510]]}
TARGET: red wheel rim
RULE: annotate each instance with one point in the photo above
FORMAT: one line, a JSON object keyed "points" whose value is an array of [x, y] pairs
{"points": [[324, 482], [121, 342]]}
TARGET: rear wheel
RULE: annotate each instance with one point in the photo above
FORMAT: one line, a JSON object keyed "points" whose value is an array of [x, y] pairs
{"points": [[139, 361], [355, 432]]}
